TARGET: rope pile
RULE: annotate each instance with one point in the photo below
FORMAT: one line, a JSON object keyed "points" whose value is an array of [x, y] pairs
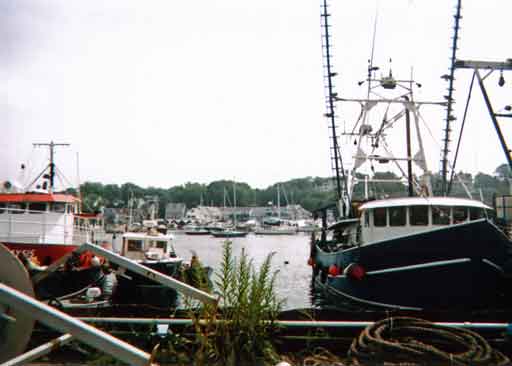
{"points": [[411, 341], [322, 357]]}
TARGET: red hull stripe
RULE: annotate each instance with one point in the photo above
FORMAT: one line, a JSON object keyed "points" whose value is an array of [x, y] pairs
{"points": [[45, 254], [37, 197]]}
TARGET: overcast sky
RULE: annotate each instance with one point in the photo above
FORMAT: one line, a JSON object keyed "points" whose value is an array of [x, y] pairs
{"points": [[160, 93]]}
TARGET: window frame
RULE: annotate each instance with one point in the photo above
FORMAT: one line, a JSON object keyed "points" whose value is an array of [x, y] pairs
{"points": [[36, 211], [458, 221], [381, 224], [441, 208], [16, 208], [413, 217], [402, 222], [53, 204]]}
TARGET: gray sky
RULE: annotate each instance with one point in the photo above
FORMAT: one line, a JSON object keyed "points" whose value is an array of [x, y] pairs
{"points": [[164, 92]]}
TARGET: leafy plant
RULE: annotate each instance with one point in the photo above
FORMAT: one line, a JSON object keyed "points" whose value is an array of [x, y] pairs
{"points": [[238, 332]]}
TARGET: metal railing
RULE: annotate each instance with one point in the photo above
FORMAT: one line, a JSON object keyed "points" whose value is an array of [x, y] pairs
{"points": [[35, 227]]}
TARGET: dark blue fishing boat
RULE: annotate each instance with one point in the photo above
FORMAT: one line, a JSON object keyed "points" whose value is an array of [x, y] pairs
{"points": [[416, 252]]}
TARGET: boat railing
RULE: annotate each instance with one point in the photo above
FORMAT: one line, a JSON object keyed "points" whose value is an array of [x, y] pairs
{"points": [[36, 227], [337, 240]]}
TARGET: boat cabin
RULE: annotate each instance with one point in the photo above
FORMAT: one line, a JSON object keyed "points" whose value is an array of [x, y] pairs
{"points": [[144, 246], [385, 219], [37, 217]]}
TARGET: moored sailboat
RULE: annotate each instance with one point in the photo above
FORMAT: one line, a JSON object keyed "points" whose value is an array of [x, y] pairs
{"points": [[228, 232], [275, 225]]}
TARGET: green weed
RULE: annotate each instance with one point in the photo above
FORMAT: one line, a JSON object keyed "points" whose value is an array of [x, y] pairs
{"points": [[239, 330]]}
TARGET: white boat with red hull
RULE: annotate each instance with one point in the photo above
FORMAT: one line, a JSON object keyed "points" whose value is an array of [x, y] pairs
{"points": [[43, 223]]}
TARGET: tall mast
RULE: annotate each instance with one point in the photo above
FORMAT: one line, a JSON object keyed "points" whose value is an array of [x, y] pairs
{"points": [[234, 203], [449, 108], [409, 154], [52, 146], [278, 203], [330, 95]]}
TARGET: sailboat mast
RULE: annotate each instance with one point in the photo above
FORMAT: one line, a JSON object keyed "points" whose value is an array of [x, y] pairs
{"points": [[234, 204], [278, 204]]}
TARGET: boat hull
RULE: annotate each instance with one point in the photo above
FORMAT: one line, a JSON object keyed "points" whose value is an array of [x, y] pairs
{"points": [[45, 253], [197, 232], [457, 266], [238, 234], [133, 288], [275, 232]]}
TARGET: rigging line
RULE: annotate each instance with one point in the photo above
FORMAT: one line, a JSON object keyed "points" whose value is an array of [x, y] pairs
{"points": [[29, 167], [404, 175], [370, 66], [60, 175], [416, 114], [460, 135], [449, 163], [37, 165], [360, 118], [384, 120], [391, 122]]}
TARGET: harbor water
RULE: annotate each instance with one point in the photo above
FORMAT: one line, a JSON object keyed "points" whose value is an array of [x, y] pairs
{"points": [[291, 253]]}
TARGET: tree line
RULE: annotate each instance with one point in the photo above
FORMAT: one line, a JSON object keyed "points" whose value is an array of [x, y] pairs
{"points": [[309, 192]]}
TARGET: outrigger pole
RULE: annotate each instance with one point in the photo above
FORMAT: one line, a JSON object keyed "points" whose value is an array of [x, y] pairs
{"points": [[330, 105], [449, 108], [52, 146]]}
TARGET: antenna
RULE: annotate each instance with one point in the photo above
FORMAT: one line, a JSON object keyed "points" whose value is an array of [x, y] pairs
{"points": [[52, 146], [370, 63]]}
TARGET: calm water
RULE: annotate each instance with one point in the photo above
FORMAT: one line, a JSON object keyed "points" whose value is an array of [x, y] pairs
{"points": [[290, 259]]}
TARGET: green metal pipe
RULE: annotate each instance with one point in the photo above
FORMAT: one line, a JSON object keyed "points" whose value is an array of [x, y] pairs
{"points": [[285, 323]]}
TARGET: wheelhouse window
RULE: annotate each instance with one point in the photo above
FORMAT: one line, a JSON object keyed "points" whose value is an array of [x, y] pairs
{"points": [[379, 216], [418, 215], [135, 246], [36, 207], [476, 213], [397, 216], [16, 208], [58, 207], [460, 214], [2, 208], [440, 215]]}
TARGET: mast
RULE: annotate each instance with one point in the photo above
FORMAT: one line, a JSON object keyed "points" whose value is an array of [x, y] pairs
{"points": [[51, 146], [234, 203], [409, 154], [449, 107], [329, 74], [278, 204]]}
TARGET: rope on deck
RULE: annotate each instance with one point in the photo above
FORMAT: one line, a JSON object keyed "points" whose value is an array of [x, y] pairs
{"points": [[411, 341]]}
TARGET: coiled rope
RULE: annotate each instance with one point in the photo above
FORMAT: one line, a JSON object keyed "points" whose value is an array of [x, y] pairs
{"points": [[409, 341]]}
